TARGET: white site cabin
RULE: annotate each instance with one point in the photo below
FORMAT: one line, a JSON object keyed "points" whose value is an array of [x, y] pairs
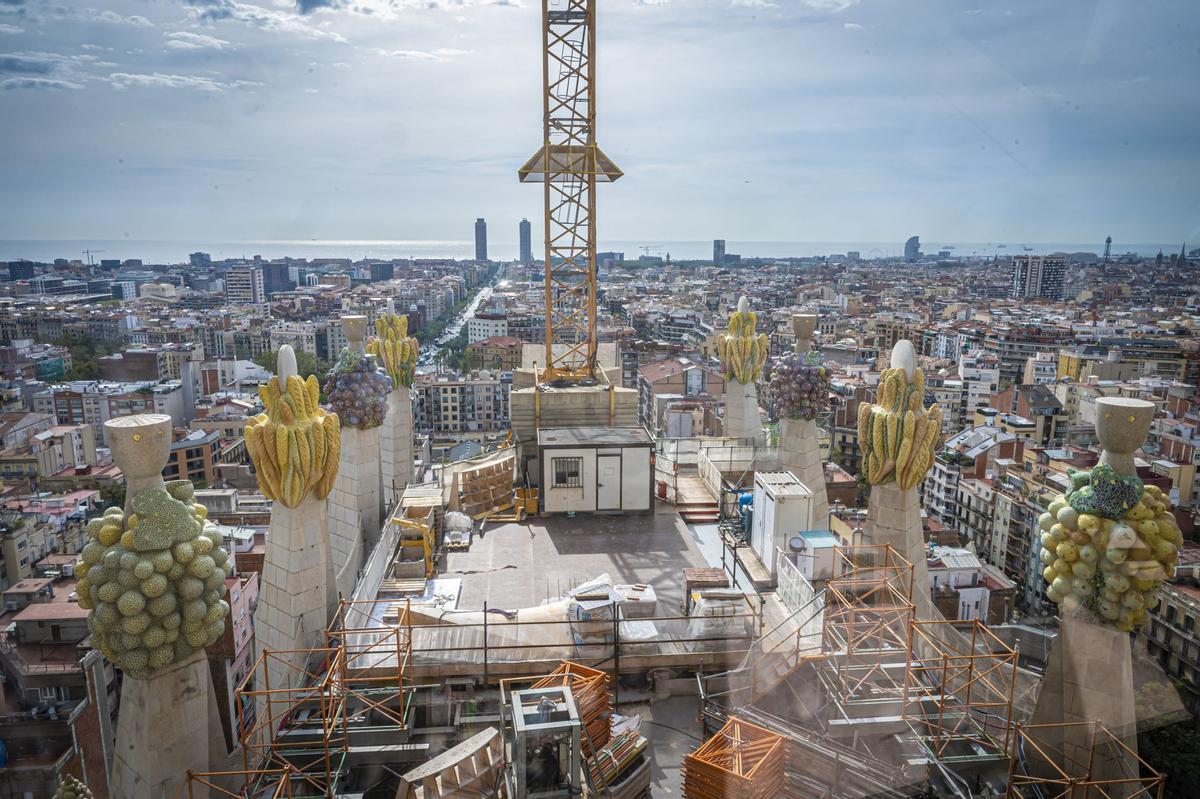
{"points": [[595, 469]]}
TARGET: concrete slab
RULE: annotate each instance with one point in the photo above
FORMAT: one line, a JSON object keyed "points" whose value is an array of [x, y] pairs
{"points": [[673, 730], [520, 565]]}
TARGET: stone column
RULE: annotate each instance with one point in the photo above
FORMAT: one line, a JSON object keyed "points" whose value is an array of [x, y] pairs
{"points": [[894, 519], [354, 505], [743, 351], [396, 446], [742, 417], [357, 497], [1089, 675], [799, 446], [168, 723], [894, 510]]}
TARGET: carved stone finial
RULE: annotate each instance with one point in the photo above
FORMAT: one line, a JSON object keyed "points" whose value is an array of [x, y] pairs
{"points": [[743, 304], [285, 364], [1121, 426], [355, 327], [904, 356], [803, 325], [141, 445]]}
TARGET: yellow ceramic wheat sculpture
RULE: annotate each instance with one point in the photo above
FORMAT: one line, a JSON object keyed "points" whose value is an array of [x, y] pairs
{"points": [[896, 435], [395, 349], [295, 445], [742, 351]]}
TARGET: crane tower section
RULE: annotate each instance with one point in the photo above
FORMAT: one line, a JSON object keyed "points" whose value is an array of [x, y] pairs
{"points": [[569, 165]]}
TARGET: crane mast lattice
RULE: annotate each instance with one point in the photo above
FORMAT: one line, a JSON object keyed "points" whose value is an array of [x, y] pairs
{"points": [[569, 165]]}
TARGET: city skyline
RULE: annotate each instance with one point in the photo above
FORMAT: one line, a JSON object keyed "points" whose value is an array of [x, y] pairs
{"points": [[822, 120]]}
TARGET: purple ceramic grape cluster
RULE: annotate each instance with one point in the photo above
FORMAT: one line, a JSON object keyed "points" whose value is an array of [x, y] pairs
{"points": [[357, 390], [800, 387]]}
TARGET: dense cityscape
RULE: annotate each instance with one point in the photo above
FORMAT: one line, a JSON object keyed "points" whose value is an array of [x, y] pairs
{"points": [[310, 488], [1017, 351]]}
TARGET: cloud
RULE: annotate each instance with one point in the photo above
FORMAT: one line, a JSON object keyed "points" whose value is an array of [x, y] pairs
{"points": [[308, 6], [11, 84], [753, 3], [106, 17], [268, 19], [440, 54], [184, 40], [852, 26], [161, 80], [13, 29], [22, 64]]}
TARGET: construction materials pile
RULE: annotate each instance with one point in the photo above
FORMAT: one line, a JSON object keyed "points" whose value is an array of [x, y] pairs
{"points": [[742, 760], [593, 701]]}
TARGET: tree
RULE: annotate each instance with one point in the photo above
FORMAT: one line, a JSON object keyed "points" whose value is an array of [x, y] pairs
{"points": [[306, 364], [1172, 750], [112, 495]]}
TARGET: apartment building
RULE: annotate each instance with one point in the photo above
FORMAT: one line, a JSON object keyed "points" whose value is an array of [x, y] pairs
{"points": [[95, 402], [462, 406], [486, 325], [677, 378], [60, 697], [1173, 634], [244, 285]]}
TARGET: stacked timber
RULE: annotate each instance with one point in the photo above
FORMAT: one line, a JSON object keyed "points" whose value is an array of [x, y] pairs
{"points": [[742, 760], [622, 750], [486, 488], [593, 701]]}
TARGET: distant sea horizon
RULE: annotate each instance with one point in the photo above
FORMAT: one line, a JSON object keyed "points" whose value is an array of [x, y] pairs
{"points": [[176, 251]]}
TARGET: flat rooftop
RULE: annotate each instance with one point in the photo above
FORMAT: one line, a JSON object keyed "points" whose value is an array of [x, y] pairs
{"points": [[514, 566], [593, 436]]}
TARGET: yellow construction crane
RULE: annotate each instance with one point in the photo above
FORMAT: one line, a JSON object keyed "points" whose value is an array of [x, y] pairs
{"points": [[569, 165]]}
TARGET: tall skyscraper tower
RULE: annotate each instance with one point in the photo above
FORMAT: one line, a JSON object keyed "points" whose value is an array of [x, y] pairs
{"points": [[718, 251], [480, 239], [912, 249], [526, 242], [1038, 276]]}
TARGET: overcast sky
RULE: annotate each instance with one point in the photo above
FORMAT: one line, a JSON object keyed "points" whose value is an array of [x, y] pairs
{"points": [[798, 120]]}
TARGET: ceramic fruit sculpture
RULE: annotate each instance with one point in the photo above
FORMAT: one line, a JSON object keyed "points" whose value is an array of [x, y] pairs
{"points": [[295, 444], [1107, 546], [742, 350], [395, 349], [358, 390], [897, 436], [154, 583], [801, 386], [71, 788]]}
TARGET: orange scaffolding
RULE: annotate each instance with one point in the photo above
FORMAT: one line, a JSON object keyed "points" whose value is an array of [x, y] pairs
{"points": [[958, 697], [868, 614], [742, 760], [1041, 767], [297, 708], [266, 784]]}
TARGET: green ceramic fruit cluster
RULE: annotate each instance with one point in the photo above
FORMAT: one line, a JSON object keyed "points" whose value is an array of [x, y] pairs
{"points": [[154, 584], [1111, 566], [71, 788]]}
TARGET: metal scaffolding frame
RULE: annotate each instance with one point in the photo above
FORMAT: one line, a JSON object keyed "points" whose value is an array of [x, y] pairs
{"points": [[867, 620], [259, 783], [305, 701], [740, 760], [958, 698], [569, 165], [1040, 768]]}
